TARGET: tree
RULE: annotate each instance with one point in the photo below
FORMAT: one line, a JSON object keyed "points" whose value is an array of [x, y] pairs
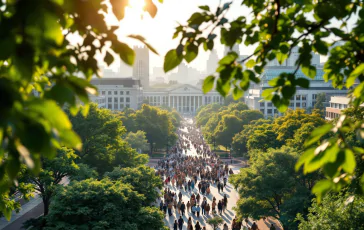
{"points": [[226, 129], [215, 222], [335, 212], [127, 116], [271, 187], [277, 27], [142, 178], [157, 125], [92, 204], [39, 68], [137, 141], [320, 103], [263, 139], [54, 172], [84, 172], [103, 147], [204, 113]]}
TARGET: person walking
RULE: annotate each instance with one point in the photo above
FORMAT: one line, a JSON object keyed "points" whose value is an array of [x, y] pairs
{"points": [[170, 208], [272, 227], [225, 227], [189, 223], [183, 208], [219, 207], [165, 208], [175, 225], [207, 209], [197, 226], [188, 206], [218, 187], [180, 222], [198, 209]]}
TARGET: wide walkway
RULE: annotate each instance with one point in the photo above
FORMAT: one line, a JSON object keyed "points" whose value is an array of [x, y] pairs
{"points": [[230, 192]]}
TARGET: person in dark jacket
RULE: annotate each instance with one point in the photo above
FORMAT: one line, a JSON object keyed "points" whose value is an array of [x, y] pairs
{"points": [[197, 226], [183, 208], [175, 225], [180, 223]]}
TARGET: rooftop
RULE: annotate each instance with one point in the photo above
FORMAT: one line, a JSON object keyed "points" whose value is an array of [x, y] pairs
{"points": [[126, 82], [272, 72]]}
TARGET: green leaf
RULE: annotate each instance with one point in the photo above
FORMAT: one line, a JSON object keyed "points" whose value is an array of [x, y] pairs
{"points": [[191, 52], [237, 93], [354, 75], [229, 58], [350, 162], [142, 40], [303, 82], [321, 188], [250, 64], [268, 93], [305, 158], [52, 29], [171, 60], [318, 133], [206, 8], [321, 47], [108, 59], [281, 57], [208, 84], [126, 54], [309, 71]]}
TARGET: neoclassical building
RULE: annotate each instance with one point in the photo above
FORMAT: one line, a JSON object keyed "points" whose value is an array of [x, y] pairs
{"points": [[120, 93]]}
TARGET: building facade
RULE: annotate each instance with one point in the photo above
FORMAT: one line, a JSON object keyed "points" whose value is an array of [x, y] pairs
{"points": [[184, 98], [303, 99], [141, 65], [119, 93]]}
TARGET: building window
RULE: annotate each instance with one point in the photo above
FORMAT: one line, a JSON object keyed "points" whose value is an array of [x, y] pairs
{"points": [[269, 111], [303, 97], [115, 106], [304, 105], [103, 93], [109, 99], [121, 99], [262, 104], [298, 97], [262, 111], [121, 92], [121, 106], [115, 99], [269, 104], [291, 104], [127, 99], [275, 111], [108, 92], [127, 105], [298, 104], [127, 92], [109, 106], [115, 92], [314, 96]]}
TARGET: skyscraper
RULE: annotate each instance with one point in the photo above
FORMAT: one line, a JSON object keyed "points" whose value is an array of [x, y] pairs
{"points": [[211, 64], [141, 65]]}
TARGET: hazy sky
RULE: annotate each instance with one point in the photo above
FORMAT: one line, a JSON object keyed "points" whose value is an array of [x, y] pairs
{"points": [[159, 30]]}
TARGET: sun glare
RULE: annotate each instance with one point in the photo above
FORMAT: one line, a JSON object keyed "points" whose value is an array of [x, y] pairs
{"points": [[137, 4]]}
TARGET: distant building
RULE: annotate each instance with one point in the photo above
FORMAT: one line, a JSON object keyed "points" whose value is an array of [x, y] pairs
{"points": [[141, 65], [304, 98], [235, 48], [119, 93], [212, 62], [292, 59], [99, 100], [336, 105]]}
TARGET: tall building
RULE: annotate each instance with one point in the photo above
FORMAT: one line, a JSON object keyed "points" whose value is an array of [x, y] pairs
{"points": [[141, 65], [211, 64], [291, 60]]}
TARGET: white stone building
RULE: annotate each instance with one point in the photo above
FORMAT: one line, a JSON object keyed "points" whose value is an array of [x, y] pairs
{"points": [[304, 98]]}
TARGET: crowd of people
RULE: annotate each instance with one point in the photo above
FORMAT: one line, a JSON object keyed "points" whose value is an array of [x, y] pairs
{"points": [[193, 175]]}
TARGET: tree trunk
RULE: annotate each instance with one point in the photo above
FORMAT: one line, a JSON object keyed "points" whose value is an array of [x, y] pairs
{"points": [[46, 205]]}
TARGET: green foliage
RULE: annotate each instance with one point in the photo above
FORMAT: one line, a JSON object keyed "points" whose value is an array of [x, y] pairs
{"points": [[215, 222], [137, 141], [142, 178], [101, 132], [319, 105], [335, 212], [92, 204], [53, 173], [40, 69], [158, 126], [271, 187], [84, 172], [276, 27]]}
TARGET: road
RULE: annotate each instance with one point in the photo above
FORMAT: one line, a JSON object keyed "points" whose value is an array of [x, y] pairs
{"points": [[228, 216]]}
